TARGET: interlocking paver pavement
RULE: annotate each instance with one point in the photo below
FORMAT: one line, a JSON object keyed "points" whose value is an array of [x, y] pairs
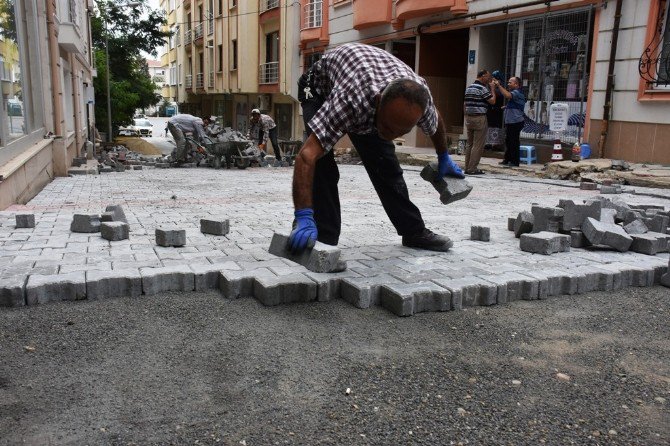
{"points": [[258, 201]]}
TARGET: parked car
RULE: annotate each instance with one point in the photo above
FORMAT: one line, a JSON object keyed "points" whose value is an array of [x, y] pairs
{"points": [[140, 127]]}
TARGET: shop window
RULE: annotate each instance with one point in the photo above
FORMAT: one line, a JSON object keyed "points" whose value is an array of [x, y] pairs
{"points": [[654, 63], [20, 85], [551, 56]]}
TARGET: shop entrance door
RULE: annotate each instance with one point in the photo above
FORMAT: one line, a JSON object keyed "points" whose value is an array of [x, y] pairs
{"points": [[551, 55], [284, 119]]}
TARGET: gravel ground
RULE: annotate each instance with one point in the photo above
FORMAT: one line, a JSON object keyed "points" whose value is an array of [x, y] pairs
{"points": [[195, 368]]}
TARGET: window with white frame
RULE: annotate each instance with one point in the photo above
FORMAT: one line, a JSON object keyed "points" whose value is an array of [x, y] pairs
{"points": [[313, 13], [21, 112], [173, 73]]}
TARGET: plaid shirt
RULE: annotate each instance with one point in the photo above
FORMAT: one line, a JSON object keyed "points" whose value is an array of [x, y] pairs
{"points": [[264, 124], [349, 78]]}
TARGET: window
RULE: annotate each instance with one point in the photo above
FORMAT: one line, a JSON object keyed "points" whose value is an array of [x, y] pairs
{"points": [[170, 5], [272, 47], [21, 112], [173, 73], [313, 13], [220, 58], [311, 59], [233, 54], [663, 79], [654, 64]]}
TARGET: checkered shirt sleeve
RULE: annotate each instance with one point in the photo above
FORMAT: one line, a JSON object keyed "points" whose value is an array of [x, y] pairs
{"points": [[349, 78]]}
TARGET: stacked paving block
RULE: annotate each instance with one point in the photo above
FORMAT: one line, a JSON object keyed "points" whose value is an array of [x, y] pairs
{"points": [[545, 243], [320, 258], [86, 223], [114, 230], [450, 188], [406, 299], [606, 234], [168, 237], [575, 214], [547, 218], [25, 221], [216, 226]]}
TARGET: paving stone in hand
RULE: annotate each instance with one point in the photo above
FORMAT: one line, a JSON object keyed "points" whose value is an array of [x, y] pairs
{"points": [[450, 188]]}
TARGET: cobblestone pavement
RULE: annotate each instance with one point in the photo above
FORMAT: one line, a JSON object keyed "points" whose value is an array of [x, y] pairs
{"points": [[258, 202]]}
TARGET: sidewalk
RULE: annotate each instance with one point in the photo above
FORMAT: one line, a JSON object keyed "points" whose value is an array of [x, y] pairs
{"points": [[596, 170], [49, 262]]}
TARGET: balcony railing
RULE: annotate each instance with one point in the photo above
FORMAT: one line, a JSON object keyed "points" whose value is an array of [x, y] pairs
{"points": [[210, 24], [210, 80], [267, 5], [188, 37], [198, 31], [72, 6], [313, 14], [199, 81], [188, 81], [269, 73]]}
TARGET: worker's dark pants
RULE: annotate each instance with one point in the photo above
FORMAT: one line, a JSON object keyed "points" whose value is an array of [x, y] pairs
{"points": [[272, 133], [382, 165], [512, 141]]}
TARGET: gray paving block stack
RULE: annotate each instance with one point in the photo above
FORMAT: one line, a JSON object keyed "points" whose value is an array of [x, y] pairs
{"points": [[167, 237], [364, 292], [631, 216], [547, 218], [658, 223], [450, 188], [650, 243], [12, 291], [470, 291], [621, 207], [480, 233], [407, 299], [545, 243], [575, 214], [116, 283], [117, 212], [636, 227], [607, 234], [291, 288], [86, 223], [41, 289], [320, 258], [25, 221], [523, 224], [168, 278], [578, 240], [216, 226], [585, 185], [114, 230]]}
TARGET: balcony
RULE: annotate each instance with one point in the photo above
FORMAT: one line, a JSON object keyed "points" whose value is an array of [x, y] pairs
{"points": [[266, 5], [200, 81], [313, 14], [210, 80], [408, 9], [370, 13], [188, 81], [314, 23], [268, 73], [188, 37], [198, 32]]}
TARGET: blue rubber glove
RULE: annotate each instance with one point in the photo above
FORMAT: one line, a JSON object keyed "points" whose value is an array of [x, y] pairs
{"points": [[446, 166], [305, 232]]}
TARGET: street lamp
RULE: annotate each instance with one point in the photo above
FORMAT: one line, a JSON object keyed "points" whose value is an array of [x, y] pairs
{"points": [[109, 97]]}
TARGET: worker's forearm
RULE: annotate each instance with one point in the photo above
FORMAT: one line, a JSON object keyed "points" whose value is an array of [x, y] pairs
{"points": [[440, 140], [303, 172]]}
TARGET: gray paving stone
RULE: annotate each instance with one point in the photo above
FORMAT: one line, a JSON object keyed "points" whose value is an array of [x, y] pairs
{"points": [[547, 218], [510, 223], [117, 212], [575, 214], [208, 276], [621, 207], [593, 278], [424, 275], [216, 226], [514, 286], [12, 291], [364, 292], [106, 216], [578, 240], [321, 258], [116, 283], [636, 226], [450, 188], [329, 284], [607, 215], [650, 243], [523, 224], [42, 289], [659, 223], [85, 223], [470, 291], [168, 278], [630, 275], [480, 233], [237, 284], [114, 230], [631, 216], [167, 237], [605, 234], [25, 221], [614, 189], [407, 299], [558, 282], [585, 185], [545, 243], [292, 288]]}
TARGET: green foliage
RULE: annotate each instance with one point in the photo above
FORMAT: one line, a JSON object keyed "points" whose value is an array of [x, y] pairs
{"points": [[129, 33], [7, 20]]}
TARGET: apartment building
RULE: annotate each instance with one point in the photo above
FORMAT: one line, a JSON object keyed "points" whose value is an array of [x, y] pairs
{"points": [[561, 49], [227, 57], [46, 73]]}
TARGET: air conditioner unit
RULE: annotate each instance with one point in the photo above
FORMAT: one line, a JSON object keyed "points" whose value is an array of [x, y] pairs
{"points": [[264, 102]]}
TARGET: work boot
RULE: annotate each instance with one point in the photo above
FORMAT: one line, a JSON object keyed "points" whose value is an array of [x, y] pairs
{"points": [[426, 239]]}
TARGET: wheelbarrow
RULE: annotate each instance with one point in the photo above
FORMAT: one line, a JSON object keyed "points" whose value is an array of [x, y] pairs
{"points": [[290, 150]]}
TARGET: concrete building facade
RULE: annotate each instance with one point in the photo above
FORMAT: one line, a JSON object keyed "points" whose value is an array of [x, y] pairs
{"points": [[46, 74]]}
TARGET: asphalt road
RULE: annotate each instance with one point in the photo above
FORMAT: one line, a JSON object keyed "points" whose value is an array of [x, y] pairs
{"points": [[197, 368]]}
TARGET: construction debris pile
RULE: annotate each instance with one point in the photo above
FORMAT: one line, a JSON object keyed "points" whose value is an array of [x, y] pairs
{"points": [[597, 223]]}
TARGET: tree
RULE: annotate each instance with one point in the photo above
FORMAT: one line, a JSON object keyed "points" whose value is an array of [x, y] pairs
{"points": [[129, 31], [7, 20]]}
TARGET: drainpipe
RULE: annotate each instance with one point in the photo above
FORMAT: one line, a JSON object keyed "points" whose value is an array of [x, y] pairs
{"points": [[610, 81], [54, 56]]}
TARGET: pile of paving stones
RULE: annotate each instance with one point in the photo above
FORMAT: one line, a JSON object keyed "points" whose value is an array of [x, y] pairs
{"points": [[597, 223]]}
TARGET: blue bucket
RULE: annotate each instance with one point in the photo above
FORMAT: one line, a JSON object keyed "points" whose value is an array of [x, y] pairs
{"points": [[586, 150]]}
